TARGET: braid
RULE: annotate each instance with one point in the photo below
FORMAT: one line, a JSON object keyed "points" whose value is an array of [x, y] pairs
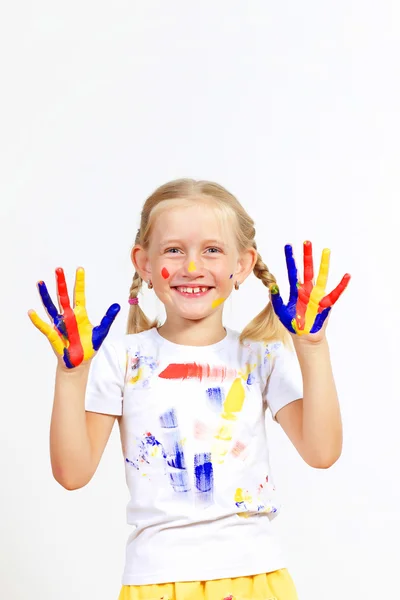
{"points": [[135, 286], [137, 320], [265, 326], [262, 272]]}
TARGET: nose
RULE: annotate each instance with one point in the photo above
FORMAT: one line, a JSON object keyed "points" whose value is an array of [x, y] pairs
{"points": [[192, 266]]}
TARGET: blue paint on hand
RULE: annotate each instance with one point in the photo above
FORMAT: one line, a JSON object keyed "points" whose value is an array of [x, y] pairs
{"points": [[320, 320], [57, 318], [100, 332]]}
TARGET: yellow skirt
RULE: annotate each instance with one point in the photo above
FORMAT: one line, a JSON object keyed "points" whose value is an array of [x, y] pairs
{"points": [[277, 585]]}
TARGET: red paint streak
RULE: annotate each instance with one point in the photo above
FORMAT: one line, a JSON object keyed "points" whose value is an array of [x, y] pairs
{"points": [[238, 448], [195, 371], [75, 349], [165, 273], [331, 298]]}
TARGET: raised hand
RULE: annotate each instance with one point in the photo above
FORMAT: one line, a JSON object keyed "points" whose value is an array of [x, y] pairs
{"points": [[308, 307], [72, 336]]}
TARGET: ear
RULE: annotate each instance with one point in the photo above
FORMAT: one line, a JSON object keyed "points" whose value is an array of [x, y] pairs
{"points": [[141, 262], [246, 262]]}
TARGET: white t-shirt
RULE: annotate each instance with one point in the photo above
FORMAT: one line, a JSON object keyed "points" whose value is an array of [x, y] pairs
{"points": [[195, 449]]}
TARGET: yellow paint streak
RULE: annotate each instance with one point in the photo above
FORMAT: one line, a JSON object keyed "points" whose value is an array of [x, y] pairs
{"points": [[318, 291], [55, 340], [79, 292], [217, 302], [234, 400], [224, 433], [192, 267], [137, 377], [85, 331], [245, 374]]}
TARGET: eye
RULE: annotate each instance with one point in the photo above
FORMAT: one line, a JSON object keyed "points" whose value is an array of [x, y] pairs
{"points": [[214, 248], [169, 250]]}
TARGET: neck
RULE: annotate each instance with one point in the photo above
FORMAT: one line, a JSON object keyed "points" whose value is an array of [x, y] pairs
{"points": [[192, 333]]}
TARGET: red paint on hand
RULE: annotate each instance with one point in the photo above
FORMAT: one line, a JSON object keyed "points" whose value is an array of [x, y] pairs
{"points": [[75, 349]]}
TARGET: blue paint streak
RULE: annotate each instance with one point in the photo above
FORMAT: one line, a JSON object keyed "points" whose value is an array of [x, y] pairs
{"points": [[175, 458], [320, 320], [204, 474], [293, 280], [169, 419], [250, 379], [282, 312], [148, 441], [216, 398], [67, 359], [100, 332], [58, 319]]}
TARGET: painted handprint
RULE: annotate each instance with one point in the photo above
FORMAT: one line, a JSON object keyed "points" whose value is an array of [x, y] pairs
{"points": [[72, 336], [308, 306]]}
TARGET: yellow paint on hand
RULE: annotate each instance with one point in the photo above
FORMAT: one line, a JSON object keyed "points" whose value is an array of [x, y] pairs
{"points": [[51, 334], [79, 292], [85, 331], [217, 302], [191, 267], [318, 291]]}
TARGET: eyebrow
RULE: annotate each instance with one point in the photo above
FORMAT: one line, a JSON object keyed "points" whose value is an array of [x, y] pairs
{"points": [[177, 241]]}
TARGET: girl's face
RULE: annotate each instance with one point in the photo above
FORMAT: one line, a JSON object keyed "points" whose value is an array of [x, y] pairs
{"points": [[193, 262]]}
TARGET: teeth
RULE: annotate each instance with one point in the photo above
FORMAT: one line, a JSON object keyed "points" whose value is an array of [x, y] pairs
{"points": [[192, 290]]}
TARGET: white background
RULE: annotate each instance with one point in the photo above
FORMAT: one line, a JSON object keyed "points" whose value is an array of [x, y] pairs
{"points": [[294, 107]]}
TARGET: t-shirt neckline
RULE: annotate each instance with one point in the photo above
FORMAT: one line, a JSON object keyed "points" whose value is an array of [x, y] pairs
{"points": [[183, 348]]}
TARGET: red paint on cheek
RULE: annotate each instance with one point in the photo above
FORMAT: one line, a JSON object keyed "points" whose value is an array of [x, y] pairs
{"points": [[165, 273]]}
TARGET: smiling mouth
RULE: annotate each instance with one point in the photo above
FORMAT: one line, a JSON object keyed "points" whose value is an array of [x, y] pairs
{"points": [[194, 292]]}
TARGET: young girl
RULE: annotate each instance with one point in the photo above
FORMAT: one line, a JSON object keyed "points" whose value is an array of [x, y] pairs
{"points": [[190, 397]]}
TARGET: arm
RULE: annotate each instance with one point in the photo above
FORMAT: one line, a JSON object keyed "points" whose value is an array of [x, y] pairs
{"points": [[313, 423], [77, 437]]}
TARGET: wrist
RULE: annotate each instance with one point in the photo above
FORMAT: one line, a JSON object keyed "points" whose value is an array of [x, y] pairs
{"points": [[78, 371]]}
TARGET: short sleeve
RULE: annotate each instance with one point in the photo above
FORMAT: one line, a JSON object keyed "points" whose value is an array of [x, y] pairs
{"points": [[284, 379], [105, 387]]}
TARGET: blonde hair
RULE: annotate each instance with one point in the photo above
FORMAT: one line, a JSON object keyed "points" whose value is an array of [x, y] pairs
{"points": [[265, 326]]}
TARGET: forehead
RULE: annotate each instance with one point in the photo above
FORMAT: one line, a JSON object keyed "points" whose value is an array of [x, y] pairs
{"points": [[192, 223]]}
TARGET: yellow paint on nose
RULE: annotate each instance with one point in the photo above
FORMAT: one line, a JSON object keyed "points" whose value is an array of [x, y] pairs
{"points": [[192, 266], [217, 302]]}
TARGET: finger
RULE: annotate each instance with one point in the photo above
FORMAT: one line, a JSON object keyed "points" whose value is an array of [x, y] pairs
{"points": [[48, 304], [79, 290], [323, 269], [62, 289], [280, 309], [101, 331], [331, 298], [319, 320], [318, 290], [292, 273], [48, 331], [51, 309], [308, 263]]}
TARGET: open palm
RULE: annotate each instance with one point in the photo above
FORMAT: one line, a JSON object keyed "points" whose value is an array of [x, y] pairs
{"points": [[308, 306], [72, 336]]}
